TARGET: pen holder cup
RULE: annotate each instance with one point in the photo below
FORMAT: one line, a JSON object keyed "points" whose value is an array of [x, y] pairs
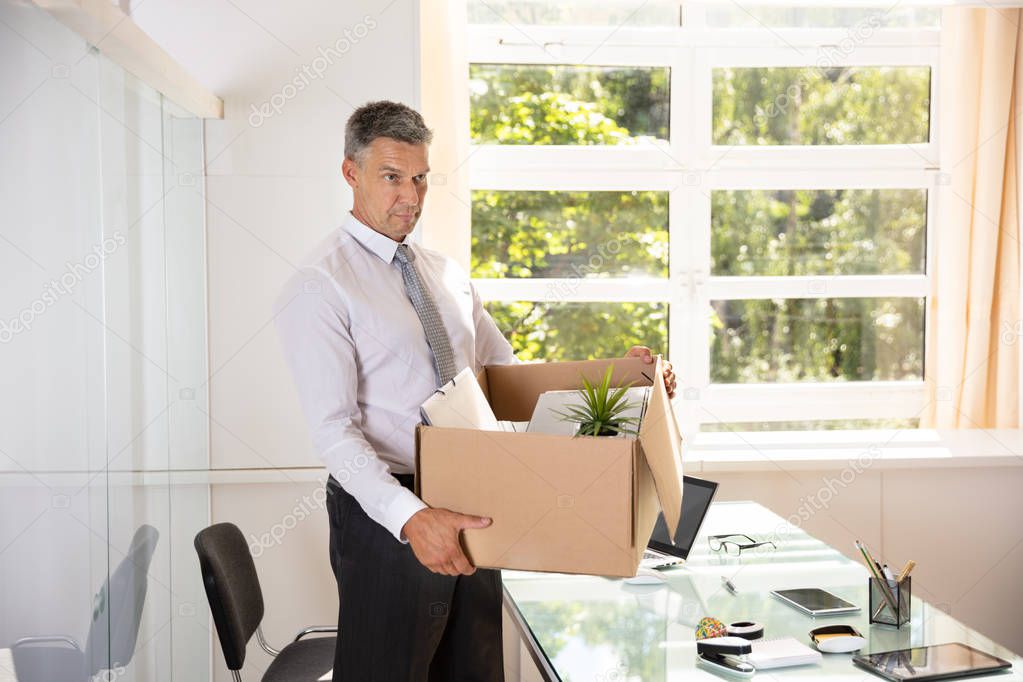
{"points": [[890, 606]]}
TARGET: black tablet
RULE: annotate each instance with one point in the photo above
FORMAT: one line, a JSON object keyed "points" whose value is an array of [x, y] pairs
{"points": [[939, 662]]}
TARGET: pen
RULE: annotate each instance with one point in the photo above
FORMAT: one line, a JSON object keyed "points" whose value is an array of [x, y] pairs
{"points": [[889, 577], [728, 585]]}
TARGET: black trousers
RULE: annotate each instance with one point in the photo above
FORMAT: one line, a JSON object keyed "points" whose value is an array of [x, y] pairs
{"points": [[400, 622]]}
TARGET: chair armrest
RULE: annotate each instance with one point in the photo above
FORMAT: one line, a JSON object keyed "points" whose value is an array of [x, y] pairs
{"points": [[47, 639], [315, 629]]}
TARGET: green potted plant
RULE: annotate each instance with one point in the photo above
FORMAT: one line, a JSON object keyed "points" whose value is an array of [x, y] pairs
{"points": [[602, 410]]}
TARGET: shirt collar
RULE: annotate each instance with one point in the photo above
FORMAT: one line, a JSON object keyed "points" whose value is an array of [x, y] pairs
{"points": [[382, 246]]}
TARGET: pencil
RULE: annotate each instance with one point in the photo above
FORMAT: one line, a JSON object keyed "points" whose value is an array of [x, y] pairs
{"points": [[872, 566]]}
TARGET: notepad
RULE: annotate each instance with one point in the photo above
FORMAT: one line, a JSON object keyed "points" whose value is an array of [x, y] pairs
{"points": [[781, 652]]}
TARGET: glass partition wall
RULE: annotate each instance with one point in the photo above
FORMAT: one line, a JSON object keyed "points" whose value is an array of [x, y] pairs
{"points": [[103, 365]]}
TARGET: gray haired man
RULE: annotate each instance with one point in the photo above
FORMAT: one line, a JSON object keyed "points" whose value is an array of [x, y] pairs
{"points": [[371, 325]]}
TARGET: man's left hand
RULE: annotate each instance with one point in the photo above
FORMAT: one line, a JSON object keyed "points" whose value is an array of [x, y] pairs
{"points": [[648, 357]]}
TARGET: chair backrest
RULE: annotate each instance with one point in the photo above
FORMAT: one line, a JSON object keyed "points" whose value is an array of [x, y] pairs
{"points": [[232, 588], [117, 613]]}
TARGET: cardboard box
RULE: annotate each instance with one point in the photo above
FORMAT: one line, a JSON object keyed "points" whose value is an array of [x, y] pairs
{"points": [[565, 504]]}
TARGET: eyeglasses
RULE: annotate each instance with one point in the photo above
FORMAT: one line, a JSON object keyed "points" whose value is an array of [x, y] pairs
{"points": [[733, 545]]}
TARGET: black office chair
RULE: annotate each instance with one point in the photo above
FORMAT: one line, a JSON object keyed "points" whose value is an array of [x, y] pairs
{"points": [[113, 630], [236, 600]]}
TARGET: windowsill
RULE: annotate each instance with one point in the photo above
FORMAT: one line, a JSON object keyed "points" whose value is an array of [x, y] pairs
{"points": [[876, 449], [706, 453]]}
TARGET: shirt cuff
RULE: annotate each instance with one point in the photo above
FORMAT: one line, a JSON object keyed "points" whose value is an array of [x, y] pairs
{"points": [[404, 506]]}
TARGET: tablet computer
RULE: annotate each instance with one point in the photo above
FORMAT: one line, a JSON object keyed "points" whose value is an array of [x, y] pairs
{"points": [[939, 662], [814, 601]]}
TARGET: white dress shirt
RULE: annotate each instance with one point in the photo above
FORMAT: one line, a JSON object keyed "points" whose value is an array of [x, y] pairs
{"points": [[361, 362]]}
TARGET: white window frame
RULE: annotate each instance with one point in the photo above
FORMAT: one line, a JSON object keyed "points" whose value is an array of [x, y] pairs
{"points": [[689, 167]]}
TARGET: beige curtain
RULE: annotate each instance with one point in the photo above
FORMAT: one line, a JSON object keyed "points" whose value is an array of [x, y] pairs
{"points": [[974, 329], [444, 103]]}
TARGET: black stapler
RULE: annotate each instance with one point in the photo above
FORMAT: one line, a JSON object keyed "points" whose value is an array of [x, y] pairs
{"points": [[726, 654]]}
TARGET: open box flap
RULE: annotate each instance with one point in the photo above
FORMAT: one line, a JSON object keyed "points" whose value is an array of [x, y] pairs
{"points": [[662, 445]]}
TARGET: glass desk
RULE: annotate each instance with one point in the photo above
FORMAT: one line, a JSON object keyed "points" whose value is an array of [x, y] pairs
{"points": [[584, 628]]}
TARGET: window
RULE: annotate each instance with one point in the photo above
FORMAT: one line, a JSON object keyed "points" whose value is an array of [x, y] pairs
{"points": [[817, 106], [552, 104], [748, 190]]}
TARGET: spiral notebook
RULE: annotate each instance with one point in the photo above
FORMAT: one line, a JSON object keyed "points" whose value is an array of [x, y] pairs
{"points": [[781, 652]]}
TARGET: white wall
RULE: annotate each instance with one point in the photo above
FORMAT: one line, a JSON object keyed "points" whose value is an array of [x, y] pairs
{"points": [[274, 185], [274, 190]]}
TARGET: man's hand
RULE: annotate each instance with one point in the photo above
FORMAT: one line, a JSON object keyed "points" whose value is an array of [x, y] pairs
{"points": [[434, 536], [648, 357]]}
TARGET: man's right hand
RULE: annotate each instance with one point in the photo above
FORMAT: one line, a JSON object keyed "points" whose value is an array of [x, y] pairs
{"points": [[434, 536]]}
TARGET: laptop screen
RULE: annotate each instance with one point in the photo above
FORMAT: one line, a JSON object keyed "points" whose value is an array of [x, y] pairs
{"points": [[696, 498]]}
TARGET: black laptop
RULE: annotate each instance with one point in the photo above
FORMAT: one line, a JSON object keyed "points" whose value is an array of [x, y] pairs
{"points": [[663, 550]]}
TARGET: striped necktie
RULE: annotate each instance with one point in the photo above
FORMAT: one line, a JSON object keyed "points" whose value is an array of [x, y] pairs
{"points": [[426, 308]]}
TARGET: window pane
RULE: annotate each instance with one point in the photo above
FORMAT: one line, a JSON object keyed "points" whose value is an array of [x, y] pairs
{"points": [[574, 12], [805, 339], [821, 106], [569, 234], [580, 331], [818, 232], [585, 105], [813, 425], [864, 20]]}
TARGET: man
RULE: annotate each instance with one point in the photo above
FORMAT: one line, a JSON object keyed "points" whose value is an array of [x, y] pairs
{"points": [[371, 326]]}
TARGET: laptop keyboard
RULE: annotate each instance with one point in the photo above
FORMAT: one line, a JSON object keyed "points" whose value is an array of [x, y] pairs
{"points": [[651, 555]]}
